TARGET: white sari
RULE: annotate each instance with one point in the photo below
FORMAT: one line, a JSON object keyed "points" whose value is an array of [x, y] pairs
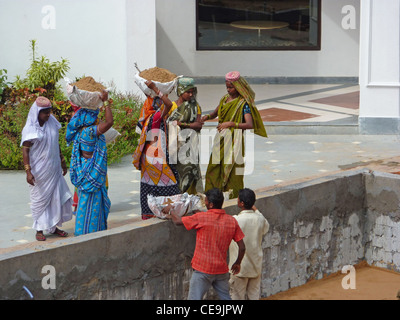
{"points": [[51, 199]]}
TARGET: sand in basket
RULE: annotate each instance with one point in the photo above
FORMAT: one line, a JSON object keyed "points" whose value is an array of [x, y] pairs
{"points": [[158, 74], [88, 84]]}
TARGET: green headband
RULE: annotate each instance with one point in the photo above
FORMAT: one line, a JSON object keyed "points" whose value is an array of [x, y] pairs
{"points": [[184, 84]]}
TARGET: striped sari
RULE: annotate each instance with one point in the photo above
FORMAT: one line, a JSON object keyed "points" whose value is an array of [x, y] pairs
{"points": [[226, 166]]}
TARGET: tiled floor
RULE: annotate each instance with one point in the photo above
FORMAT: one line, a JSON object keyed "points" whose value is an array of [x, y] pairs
{"points": [[345, 100], [279, 114], [299, 103], [280, 159]]}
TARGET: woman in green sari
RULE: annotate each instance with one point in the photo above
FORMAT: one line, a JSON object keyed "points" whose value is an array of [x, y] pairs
{"points": [[185, 113], [236, 112]]}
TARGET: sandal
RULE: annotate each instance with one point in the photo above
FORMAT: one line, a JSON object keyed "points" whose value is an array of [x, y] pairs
{"points": [[60, 233], [40, 236]]}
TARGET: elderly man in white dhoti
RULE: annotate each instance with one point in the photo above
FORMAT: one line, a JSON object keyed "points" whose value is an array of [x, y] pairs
{"points": [[51, 199]]}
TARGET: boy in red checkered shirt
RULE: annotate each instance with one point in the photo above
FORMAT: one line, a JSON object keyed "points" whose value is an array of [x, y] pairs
{"points": [[215, 231]]}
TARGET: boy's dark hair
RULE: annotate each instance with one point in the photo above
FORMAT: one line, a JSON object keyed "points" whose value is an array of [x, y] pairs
{"points": [[248, 197], [216, 197]]}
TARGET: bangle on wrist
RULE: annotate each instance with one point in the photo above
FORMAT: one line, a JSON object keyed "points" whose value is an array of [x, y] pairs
{"points": [[108, 102], [237, 125], [27, 167]]}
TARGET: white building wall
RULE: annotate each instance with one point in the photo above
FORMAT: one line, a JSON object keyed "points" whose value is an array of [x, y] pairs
{"points": [[380, 67], [103, 38], [141, 39], [100, 38], [176, 47]]}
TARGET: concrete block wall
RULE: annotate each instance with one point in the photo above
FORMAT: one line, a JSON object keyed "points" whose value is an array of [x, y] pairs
{"points": [[147, 260], [382, 234], [316, 228]]}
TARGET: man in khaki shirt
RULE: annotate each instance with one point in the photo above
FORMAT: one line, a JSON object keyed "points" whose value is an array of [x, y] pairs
{"points": [[254, 225]]}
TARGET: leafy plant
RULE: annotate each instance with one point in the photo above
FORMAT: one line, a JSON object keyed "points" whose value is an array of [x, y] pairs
{"points": [[3, 81], [62, 110], [13, 114], [126, 111], [43, 73], [12, 120], [41, 80]]}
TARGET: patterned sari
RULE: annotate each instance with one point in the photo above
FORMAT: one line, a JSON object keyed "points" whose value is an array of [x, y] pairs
{"points": [[151, 157], [226, 167], [188, 167], [89, 176]]}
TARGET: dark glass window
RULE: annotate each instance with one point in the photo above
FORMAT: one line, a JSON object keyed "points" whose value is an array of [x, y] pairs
{"points": [[258, 24]]}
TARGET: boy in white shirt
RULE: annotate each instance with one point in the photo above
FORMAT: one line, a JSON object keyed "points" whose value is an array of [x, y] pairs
{"points": [[254, 225]]}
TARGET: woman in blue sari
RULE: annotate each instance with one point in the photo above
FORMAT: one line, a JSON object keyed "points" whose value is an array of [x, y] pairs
{"points": [[88, 167]]}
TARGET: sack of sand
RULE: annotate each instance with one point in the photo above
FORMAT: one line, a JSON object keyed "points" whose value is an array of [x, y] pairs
{"points": [[85, 93], [181, 204], [164, 79]]}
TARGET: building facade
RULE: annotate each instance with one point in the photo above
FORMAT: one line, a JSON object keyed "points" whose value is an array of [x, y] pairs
{"points": [[297, 41]]}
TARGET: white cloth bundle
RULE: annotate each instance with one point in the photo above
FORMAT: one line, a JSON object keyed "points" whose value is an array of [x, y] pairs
{"points": [[181, 204], [83, 98], [110, 135], [164, 87]]}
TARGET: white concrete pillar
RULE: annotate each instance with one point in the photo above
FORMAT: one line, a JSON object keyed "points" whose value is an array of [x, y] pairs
{"points": [[380, 67]]}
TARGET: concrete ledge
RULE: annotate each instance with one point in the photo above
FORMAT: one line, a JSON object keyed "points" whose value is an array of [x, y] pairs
{"points": [[292, 128], [282, 80], [145, 260], [317, 227], [287, 128], [379, 125]]}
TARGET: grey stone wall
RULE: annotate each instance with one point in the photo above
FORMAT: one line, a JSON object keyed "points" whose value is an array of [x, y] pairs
{"points": [[148, 260], [316, 228], [382, 230]]}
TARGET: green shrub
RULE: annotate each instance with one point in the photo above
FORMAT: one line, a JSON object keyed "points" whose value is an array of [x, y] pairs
{"points": [[44, 74], [41, 80], [126, 111], [12, 120], [13, 114], [3, 81]]}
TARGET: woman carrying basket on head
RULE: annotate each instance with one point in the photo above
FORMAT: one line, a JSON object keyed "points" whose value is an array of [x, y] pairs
{"points": [[88, 166], [186, 114], [151, 157]]}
